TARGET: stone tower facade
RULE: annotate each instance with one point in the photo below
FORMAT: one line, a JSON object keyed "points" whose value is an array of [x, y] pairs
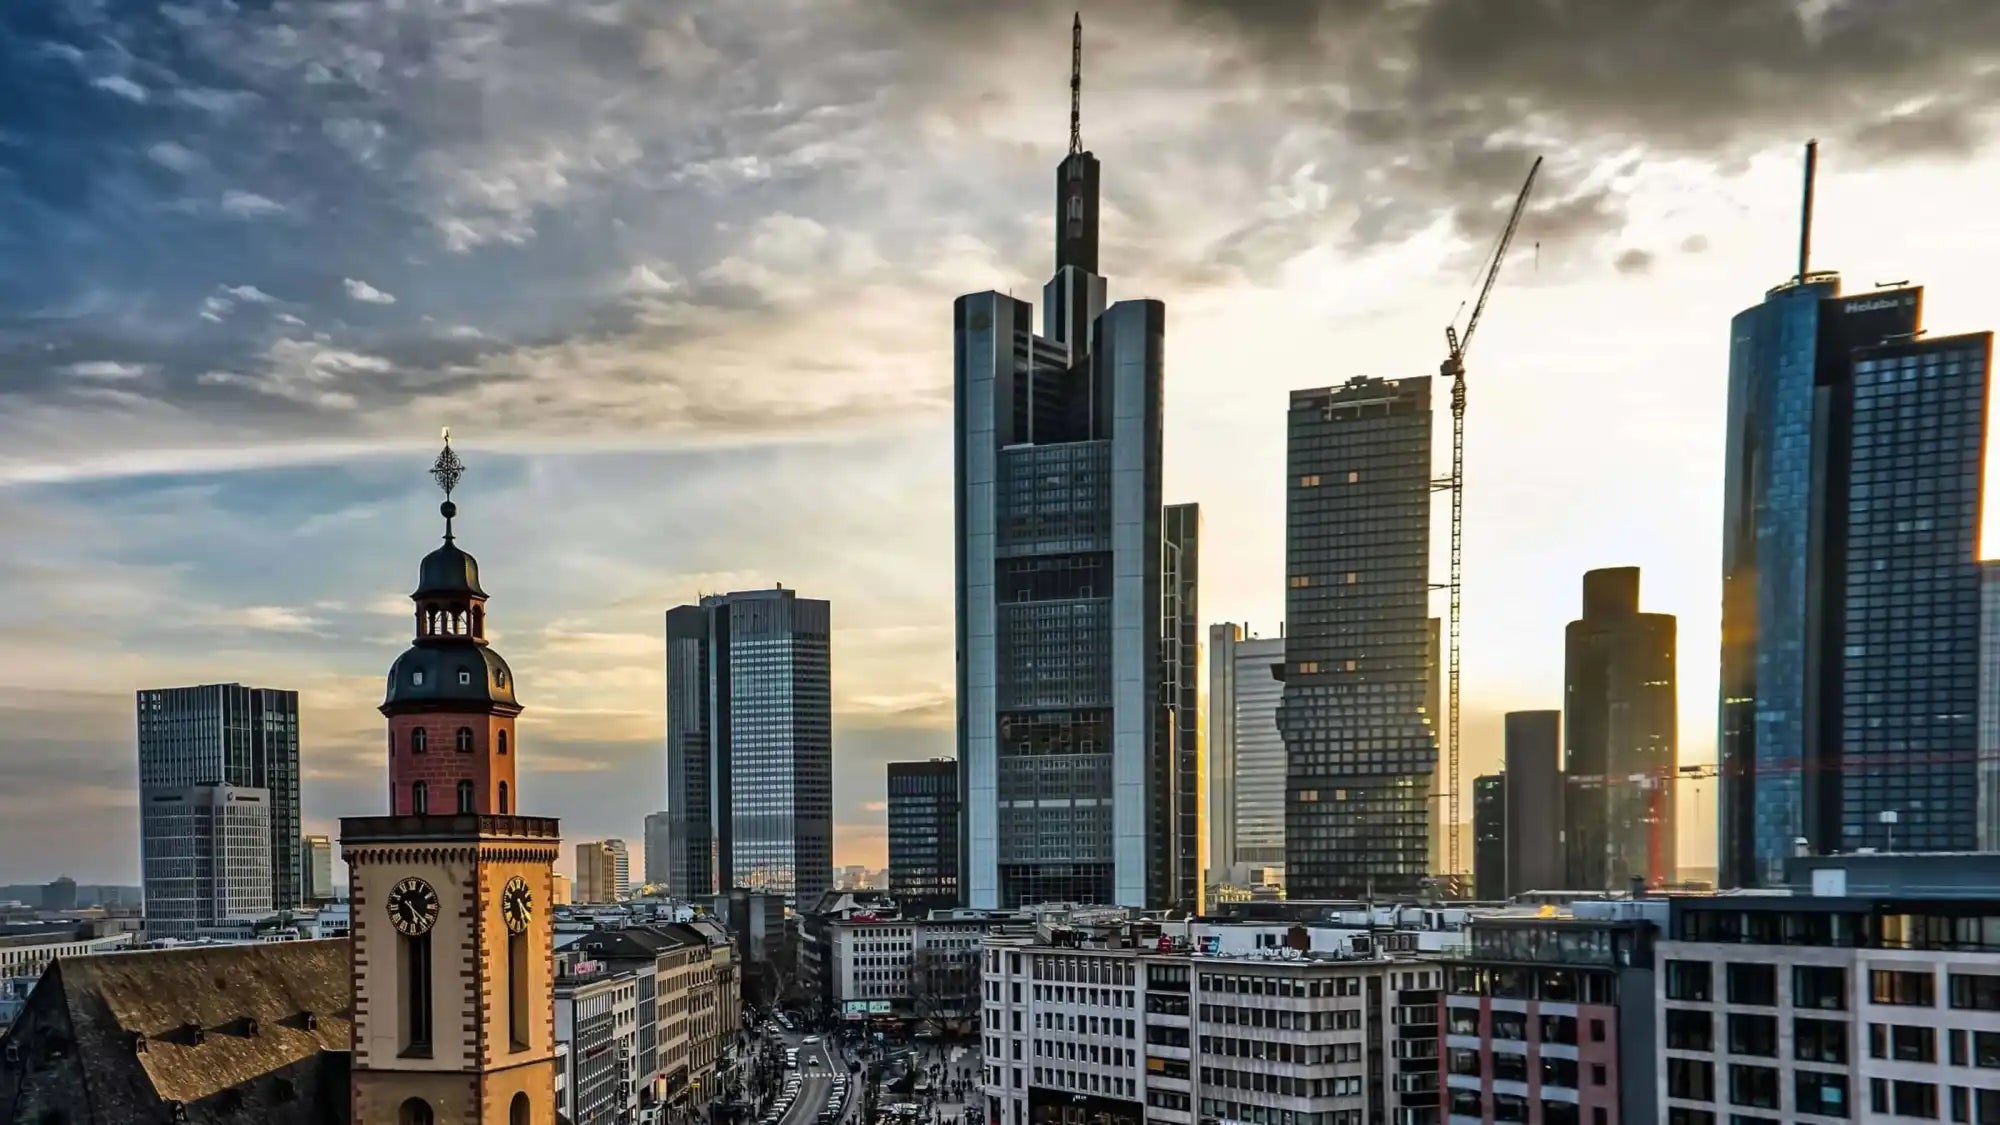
{"points": [[454, 1013]]}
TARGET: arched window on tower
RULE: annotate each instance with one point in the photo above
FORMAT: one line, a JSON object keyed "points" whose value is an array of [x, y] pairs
{"points": [[503, 742], [503, 799], [465, 740], [419, 741], [517, 1114], [465, 796], [478, 621], [420, 799], [415, 1111]]}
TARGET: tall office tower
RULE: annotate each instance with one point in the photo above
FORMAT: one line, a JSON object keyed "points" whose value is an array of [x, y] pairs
{"points": [[1489, 837], [750, 745], [1246, 809], [923, 834], [1851, 583], [1438, 801], [223, 734], [1989, 706], [1181, 761], [1071, 636], [596, 873], [1534, 802], [316, 869], [1359, 749], [621, 868], [1620, 758], [659, 833]]}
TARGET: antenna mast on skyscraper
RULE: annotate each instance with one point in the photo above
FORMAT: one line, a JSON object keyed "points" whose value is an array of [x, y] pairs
{"points": [[1806, 211], [1076, 85]]}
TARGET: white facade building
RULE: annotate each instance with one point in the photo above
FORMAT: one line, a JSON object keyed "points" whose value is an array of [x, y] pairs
{"points": [[1106, 1022], [597, 1017], [871, 963], [1246, 771]]}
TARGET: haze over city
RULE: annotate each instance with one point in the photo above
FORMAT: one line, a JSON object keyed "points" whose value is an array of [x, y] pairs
{"points": [[679, 277]]}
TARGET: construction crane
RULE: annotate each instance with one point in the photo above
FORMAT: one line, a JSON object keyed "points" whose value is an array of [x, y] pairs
{"points": [[1453, 368]]}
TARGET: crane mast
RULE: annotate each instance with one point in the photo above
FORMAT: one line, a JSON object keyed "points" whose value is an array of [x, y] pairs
{"points": [[1453, 368]]}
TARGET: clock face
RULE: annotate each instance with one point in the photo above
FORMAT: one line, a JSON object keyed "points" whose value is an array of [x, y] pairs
{"points": [[413, 907], [517, 906]]}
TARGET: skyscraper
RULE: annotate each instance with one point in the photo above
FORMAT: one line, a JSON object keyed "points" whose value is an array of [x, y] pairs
{"points": [[923, 834], [316, 869], [659, 835], [216, 734], [1534, 802], [621, 868], [1489, 837], [1360, 750], [1246, 814], [1851, 583], [596, 873], [1620, 754], [750, 745], [1073, 632]]}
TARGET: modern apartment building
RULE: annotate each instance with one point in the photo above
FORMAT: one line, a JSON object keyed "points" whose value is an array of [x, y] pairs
{"points": [[1360, 749], [229, 735], [1851, 584], [750, 745], [1117, 1023], [1621, 757], [1246, 756], [1077, 620], [923, 834]]}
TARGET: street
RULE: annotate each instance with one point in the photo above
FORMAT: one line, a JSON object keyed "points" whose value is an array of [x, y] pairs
{"points": [[817, 1067]]}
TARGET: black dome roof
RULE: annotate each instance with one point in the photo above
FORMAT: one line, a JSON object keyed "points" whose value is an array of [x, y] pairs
{"points": [[448, 572], [457, 673]]}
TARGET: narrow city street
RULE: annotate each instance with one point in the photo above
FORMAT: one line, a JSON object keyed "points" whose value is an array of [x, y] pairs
{"points": [[817, 1066]]}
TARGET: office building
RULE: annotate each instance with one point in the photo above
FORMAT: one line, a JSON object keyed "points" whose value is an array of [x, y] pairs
{"points": [[1123, 1023], [659, 845], [923, 834], [316, 869], [1534, 802], [750, 745], [596, 873], [1075, 610], [621, 870], [1861, 1000], [1620, 758], [207, 860], [1246, 771], [597, 1017], [59, 893], [679, 1005], [1851, 587], [1551, 1020], [1489, 837], [244, 738], [1440, 827], [1360, 750]]}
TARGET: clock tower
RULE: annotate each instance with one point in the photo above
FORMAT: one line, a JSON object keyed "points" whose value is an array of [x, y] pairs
{"points": [[454, 1012]]}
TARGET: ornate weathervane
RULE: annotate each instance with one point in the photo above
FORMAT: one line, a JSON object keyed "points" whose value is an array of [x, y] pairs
{"points": [[446, 470]]}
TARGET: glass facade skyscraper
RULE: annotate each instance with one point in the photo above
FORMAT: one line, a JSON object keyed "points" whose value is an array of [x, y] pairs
{"points": [[1078, 645], [750, 745], [1360, 748], [218, 735], [1850, 579], [923, 834]]}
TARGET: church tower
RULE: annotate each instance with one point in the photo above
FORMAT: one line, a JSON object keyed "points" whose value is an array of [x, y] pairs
{"points": [[454, 1011]]}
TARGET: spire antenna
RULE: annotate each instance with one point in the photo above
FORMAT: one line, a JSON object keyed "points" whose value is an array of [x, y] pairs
{"points": [[1076, 86], [447, 470], [1806, 210]]}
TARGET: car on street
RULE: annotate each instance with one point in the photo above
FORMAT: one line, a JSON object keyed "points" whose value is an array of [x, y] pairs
{"points": [[812, 1038]]}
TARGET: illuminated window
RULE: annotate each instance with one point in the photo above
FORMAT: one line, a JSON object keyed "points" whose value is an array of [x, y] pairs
{"points": [[1308, 667], [1350, 665], [1310, 480], [1300, 581], [1352, 578], [1354, 476]]}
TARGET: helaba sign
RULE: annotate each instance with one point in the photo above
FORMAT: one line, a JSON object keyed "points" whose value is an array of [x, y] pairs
{"points": [[1878, 303]]}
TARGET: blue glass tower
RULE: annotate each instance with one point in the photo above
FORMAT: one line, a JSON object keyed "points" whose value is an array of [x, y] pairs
{"points": [[1850, 581]]}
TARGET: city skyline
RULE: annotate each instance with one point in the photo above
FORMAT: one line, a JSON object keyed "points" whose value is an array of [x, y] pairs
{"points": [[168, 423]]}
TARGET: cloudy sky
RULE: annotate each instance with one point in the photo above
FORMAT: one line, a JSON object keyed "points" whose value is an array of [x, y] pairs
{"points": [[679, 277]]}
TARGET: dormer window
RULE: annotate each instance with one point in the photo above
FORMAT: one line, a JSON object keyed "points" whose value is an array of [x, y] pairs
{"points": [[417, 677], [464, 677]]}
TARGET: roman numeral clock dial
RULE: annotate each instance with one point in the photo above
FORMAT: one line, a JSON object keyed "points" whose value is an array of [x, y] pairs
{"points": [[413, 907], [517, 906]]}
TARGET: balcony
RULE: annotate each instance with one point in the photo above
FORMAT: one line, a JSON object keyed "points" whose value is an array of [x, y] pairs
{"points": [[467, 826]]}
